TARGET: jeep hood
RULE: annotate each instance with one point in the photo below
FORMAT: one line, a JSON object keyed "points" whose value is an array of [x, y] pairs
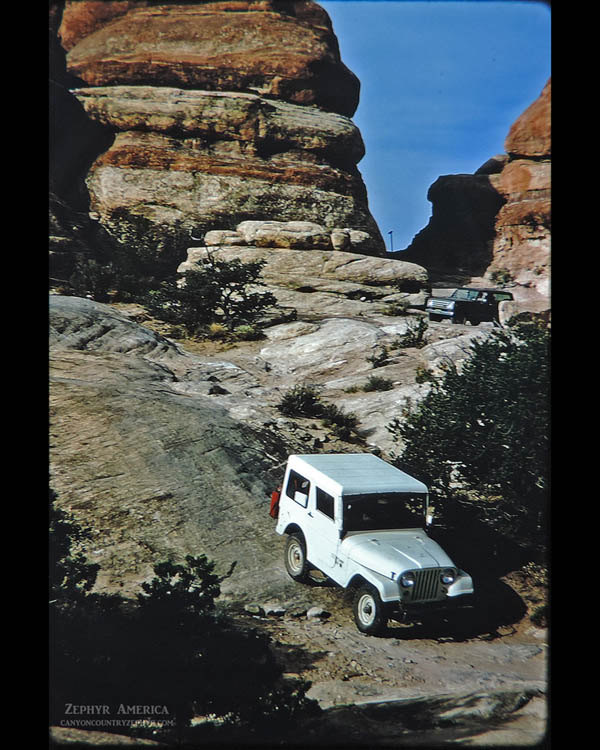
{"points": [[387, 552]]}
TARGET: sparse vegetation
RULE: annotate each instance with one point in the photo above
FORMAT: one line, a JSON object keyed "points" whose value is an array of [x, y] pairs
{"points": [[481, 434], [304, 401], [169, 647], [424, 375], [396, 309], [501, 276], [381, 358], [373, 383], [301, 401], [414, 336], [219, 293]]}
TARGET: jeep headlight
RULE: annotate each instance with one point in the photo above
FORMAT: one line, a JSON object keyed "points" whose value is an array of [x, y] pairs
{"points": [[448, 576], [407, 580]]}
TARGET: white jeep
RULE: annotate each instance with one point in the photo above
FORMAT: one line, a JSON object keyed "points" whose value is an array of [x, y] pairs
{"points": [[359, 521]]}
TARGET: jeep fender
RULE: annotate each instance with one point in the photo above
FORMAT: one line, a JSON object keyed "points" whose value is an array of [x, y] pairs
{"points": [[387, 589]]}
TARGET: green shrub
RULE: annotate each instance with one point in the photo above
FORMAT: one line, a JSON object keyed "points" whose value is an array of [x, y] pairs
{"points": [[540, 616], [301, 401], [342, 424], [414, 336], [92, 279], [381, 358], [501, 276], [218, 292], [424, 375], [248, 333], [376, 383], [304, 401], [485, 429], [396, 309]]}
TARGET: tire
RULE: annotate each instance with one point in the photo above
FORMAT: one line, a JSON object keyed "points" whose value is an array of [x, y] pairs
{"points": [[370, 614], [296, 563], [460, 319]]}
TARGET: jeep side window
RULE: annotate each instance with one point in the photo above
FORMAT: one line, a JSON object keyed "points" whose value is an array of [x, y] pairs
{"points": [[325, 503], [297, 483]]}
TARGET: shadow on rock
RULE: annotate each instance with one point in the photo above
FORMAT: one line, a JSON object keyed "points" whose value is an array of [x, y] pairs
{"points": [[494, 606]]}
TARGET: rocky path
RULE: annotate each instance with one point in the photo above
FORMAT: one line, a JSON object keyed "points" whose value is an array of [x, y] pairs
{"points": [[427, 684]]}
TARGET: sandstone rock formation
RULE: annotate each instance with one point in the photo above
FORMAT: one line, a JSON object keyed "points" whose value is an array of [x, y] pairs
{"points": [[523, 224], [305, 271], [221, 112], [496, 222], [154, 470]]}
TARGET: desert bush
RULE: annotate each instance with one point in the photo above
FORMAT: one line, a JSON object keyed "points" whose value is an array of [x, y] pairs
{"points": [[380, 358], [304, 401], [218, 292], [377, 383], [342, 424], [301, 401], [414, 336], [485, 429], [169, 647]]}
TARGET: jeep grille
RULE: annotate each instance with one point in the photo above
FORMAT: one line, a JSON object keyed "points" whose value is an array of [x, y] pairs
{"points": [[441, 305], [427, 586]]}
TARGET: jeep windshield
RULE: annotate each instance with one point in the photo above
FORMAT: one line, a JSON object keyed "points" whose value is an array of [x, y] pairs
{"points": [[469, 294], [389, 510]]}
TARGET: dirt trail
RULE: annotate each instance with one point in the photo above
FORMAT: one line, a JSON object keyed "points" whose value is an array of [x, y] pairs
{"points": [[482, 676]]}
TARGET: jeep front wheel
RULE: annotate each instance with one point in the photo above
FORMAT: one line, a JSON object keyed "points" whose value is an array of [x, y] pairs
{"points": [[295, 558], [369, 611]]}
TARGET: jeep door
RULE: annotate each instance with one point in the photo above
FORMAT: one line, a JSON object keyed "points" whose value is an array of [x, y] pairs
{"points": [[323, 534]]}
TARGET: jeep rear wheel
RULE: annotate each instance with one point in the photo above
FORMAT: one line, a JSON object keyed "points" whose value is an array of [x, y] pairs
{"points": [[369, 611], [295, 558]]}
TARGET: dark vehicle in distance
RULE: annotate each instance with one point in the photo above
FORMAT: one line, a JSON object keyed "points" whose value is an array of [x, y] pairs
{"points": [[467, 305]]}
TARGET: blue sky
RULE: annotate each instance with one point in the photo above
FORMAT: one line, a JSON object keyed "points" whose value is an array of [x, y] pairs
{"points": [[441, 84]]}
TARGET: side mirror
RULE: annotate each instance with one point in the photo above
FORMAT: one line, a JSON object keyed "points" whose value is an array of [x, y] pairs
{"points": [[429, 515]]}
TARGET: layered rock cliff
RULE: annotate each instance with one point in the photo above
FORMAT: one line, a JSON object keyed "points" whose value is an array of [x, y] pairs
{"points": [[496, 222], [218, 112]]}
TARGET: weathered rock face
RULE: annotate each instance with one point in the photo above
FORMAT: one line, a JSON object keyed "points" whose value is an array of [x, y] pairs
{"points": [[285, 50], [523, 225], [307, 273], [221, 112], [496, 223], [147, 460], [460, 233]]}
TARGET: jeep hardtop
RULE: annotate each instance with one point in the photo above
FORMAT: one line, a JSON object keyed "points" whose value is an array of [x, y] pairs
{"points": [[360, 521]]}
